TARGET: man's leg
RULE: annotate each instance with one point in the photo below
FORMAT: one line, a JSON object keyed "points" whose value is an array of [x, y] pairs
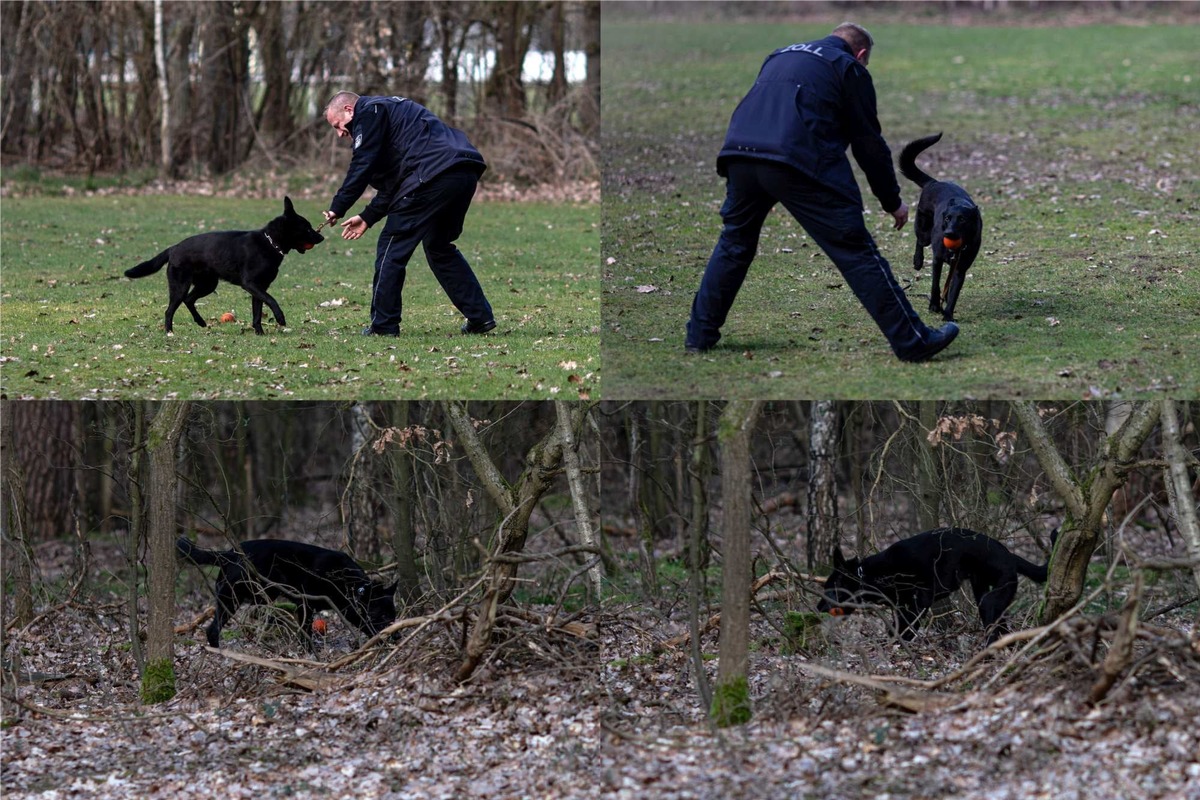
{"points": [[397, 242], [452, 193], [746, 206], [836, 225]]}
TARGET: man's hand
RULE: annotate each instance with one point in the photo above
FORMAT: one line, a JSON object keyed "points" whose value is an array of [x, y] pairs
{"points": [[354, 227], [900, 215]]}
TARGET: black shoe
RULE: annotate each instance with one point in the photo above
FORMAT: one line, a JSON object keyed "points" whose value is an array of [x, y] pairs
{"points": [[372, 332], [939, 340], [478, 327]]}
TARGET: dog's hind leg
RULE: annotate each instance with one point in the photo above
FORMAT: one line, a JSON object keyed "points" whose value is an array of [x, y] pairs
{"points": [[176, 297], [993, 601], [227, 603], [205, 286]]}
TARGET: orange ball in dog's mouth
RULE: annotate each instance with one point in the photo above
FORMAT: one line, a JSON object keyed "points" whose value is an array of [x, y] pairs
{"points": [[952, 243], [228, 317]]}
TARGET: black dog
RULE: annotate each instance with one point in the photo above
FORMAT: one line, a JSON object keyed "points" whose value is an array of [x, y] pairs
{"points": [[913, 573], [249, 259], [947, 219], [315, 578]]}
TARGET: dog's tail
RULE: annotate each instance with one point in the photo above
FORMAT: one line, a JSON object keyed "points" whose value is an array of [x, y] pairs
{"points": [[198, 555], [1033, 571], [149, 267], [908, 159]]}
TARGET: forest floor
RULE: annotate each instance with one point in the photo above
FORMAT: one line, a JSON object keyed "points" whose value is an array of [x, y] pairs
{"points": [[611, 711]]}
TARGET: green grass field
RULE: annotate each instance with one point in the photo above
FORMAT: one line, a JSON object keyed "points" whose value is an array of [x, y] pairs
{"points": [[1079, 144], [72, 326]]}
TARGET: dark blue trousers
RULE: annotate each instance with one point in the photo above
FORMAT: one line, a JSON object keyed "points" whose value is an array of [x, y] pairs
{"points": [[834, 223], [431, 216]]}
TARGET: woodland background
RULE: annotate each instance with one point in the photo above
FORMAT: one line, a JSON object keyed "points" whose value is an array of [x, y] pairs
{"points": [[584, 691], [182, 90]]}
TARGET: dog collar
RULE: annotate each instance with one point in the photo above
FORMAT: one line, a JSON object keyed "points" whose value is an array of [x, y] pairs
{"points": [[272, 241]]}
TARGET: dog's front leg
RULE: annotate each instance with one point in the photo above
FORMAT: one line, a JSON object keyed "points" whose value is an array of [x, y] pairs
{"points": [[935, 291], [256, 317]]}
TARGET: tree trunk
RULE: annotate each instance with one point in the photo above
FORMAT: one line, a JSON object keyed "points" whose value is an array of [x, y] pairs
{"points": [[164, 92], [929, 482], [556, 90], [18, 556], [570, 419], [1179, 485], [698, 472], [358, 502], [274, 115], [224, 71], [1086, 500], [641, 513], [824, 531], [505, 89], [731, 698], [404, 539], [166, 429], [589, 112], [137, 525], [516, 502], [185, 138], [42, 435]]}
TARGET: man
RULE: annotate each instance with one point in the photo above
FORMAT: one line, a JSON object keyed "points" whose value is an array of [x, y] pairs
{"points": [[786, 144], [424, 173]]}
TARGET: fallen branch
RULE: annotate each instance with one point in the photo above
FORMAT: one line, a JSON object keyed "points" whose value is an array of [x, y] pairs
{"points": [[305, 677], [1120, 652], [201, 618], [905, 699]]}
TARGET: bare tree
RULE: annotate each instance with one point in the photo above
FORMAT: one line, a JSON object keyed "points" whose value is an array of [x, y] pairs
{"points": [[590, 110], [1086, 498], [1179, 485], [166, 429], [929, 482], [731, 697], [570, 420], [18, 557], [516, 501], [164, 90], [823, 523]]}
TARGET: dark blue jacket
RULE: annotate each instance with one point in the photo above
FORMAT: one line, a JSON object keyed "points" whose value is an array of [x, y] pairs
{"points": [[398, 145], [810, 102]]}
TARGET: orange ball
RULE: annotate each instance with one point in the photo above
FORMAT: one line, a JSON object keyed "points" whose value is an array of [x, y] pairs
{"points": [[228, 317], [952, 244], [319, 626]]}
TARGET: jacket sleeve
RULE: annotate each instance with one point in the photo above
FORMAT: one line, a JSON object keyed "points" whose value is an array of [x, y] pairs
{"points": [[377, 209], [369, 140], [866, 138]]}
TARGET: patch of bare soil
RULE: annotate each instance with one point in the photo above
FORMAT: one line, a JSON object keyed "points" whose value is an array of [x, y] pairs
{"points": [[600, 707]]}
